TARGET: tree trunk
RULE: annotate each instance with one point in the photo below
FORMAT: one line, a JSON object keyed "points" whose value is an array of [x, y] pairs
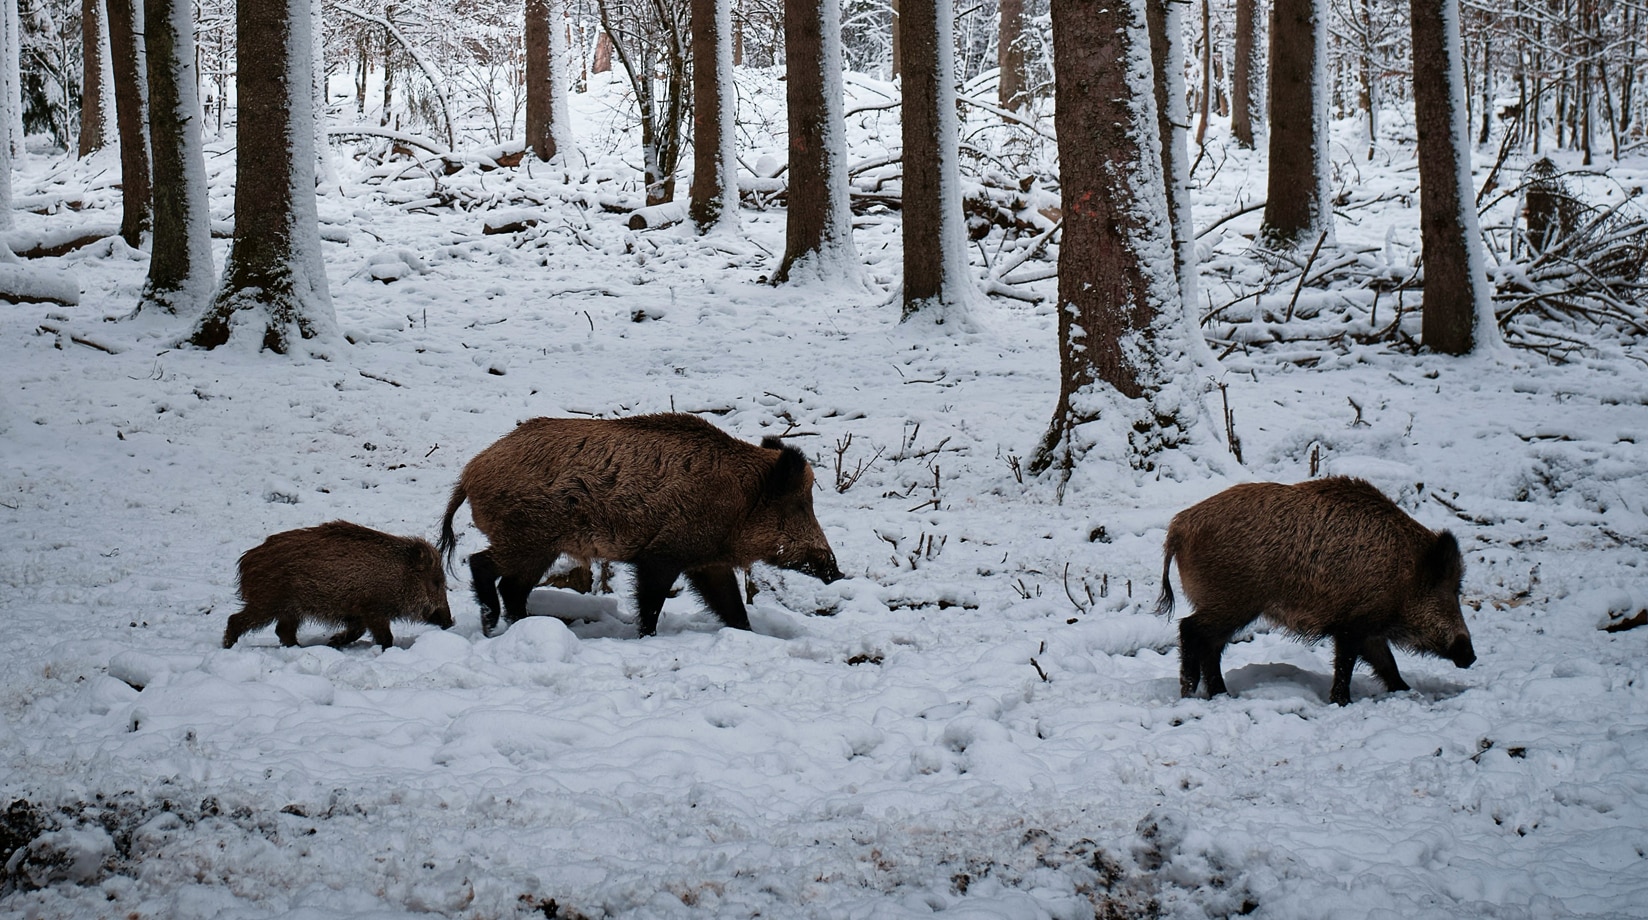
{"points": [[540, 71], [896, 53], [818, 229], [935, 258], [180, 263], [274, 289], [11, 108], [1458, 317], [1247, 76], [95, 77], [1122, 334], [714, 194], [1172, 116], [1205, 104], [1012, 91], [1296, 205], [603, 54], [131, 117]]}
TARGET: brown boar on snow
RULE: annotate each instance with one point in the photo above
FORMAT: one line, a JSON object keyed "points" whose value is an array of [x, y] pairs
{"points": [[1328, 557], [668, 493], [343, 574]]}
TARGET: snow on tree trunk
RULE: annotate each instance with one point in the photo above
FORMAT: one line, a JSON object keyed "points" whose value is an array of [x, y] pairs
{"points": [[180, 264], [714, 197], [131, 116], [1297, 203], [1166, 22], [818, 233], [12, 99], [1012, 91], [1247, 77], [274, 289], [937, 286], [546, 107], [1128, 382], [317, 56], [96, 81], [1458, 311], [560, 116]]}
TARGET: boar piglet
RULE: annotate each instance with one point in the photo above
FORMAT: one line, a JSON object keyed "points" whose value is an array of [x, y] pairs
{"points": [[1328, 557], [670, 494], [341, 574]]}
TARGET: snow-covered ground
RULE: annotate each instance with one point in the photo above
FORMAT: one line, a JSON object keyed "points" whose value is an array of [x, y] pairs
{"points": [[982, 720]]}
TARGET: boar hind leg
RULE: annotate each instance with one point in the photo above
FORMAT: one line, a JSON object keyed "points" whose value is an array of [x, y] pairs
{"points": [[1377, 653], [483, 577], [1201, 647], [347, 636], [718, 587], [242, 623], [380, 632], [653, 580], [286, 628], [514, 592]]}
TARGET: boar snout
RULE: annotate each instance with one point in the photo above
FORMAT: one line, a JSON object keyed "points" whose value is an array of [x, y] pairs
{"points": [[1461, 653], [441, 616], [822, 568]]}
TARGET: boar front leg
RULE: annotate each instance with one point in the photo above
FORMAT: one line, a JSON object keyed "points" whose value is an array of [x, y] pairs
{"points": [[1345, 651], [718, 587], [1377, 653], [347, 636], [653, 580]]}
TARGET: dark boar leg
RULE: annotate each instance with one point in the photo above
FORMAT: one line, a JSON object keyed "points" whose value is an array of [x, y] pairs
{"points": [[1377, 653], [1202, 640], [380, 631], [1345, 650], [286, 627], [653, 580], [514, 592], [348, 636], [483, 577], [242, 623], [1190, 658], [718, 587]]}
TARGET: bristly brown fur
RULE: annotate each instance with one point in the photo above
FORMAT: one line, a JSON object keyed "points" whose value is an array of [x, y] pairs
{"points": [[670, 493], [1324, 558], [342, 574]]}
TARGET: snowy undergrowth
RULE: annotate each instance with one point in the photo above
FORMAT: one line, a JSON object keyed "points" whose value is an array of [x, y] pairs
{"points": [[981, 720]]}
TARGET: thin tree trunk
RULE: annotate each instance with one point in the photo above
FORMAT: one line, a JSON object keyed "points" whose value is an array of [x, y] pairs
{"points": [[818, 228], [1012, 91], [1165, 31], [95, 77], [1296, 206], [131, 117], [934, 254], [714, 194], [540, 117], [1206, 102], [1457, 314], [1246, 77], [180, 262]]}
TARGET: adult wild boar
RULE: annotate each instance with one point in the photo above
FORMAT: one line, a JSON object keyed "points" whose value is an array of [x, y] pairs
{"points": [[343, 574], [1327, 557], [669, 493]]}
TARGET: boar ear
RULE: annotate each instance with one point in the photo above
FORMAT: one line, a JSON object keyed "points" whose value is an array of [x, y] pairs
{"points": [[772, 442], [1442, 564], [788, 474]]}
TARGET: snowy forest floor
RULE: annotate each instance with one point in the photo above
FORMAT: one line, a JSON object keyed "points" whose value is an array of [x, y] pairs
{"points": [[982, 720]]}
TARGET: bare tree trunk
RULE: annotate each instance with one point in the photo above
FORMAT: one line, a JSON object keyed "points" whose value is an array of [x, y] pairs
{"points": [[388, 66], [818, 229], [1121, 335], [274, 290], [546, 102], [180, 262], [1167, 71], [94, 84], [131, 117], [714, 194], [1296, 205], [897, 63], [603, 54], [1246, 76], [1012, 91], [934, 254], [1457, 314], [1205, 105]]}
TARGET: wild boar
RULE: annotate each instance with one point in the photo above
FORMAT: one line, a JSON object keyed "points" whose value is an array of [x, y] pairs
{"points": [[1327, 557], [343, 574], [669, 494]]}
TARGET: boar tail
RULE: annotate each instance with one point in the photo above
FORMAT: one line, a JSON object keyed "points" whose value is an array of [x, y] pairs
{"points": [[449, 542], [1164, 603]]}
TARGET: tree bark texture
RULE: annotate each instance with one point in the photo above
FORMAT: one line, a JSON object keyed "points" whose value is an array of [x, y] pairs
{"points": [[714, 195], [1012, 92], [1296, 205], [540, 114], [274, 282], [1172, 115], [1116, 284], [1455, 285], [131, 116], [1246, 76], [94, 128], [931, 210], [180, 261], [818, 220]]}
